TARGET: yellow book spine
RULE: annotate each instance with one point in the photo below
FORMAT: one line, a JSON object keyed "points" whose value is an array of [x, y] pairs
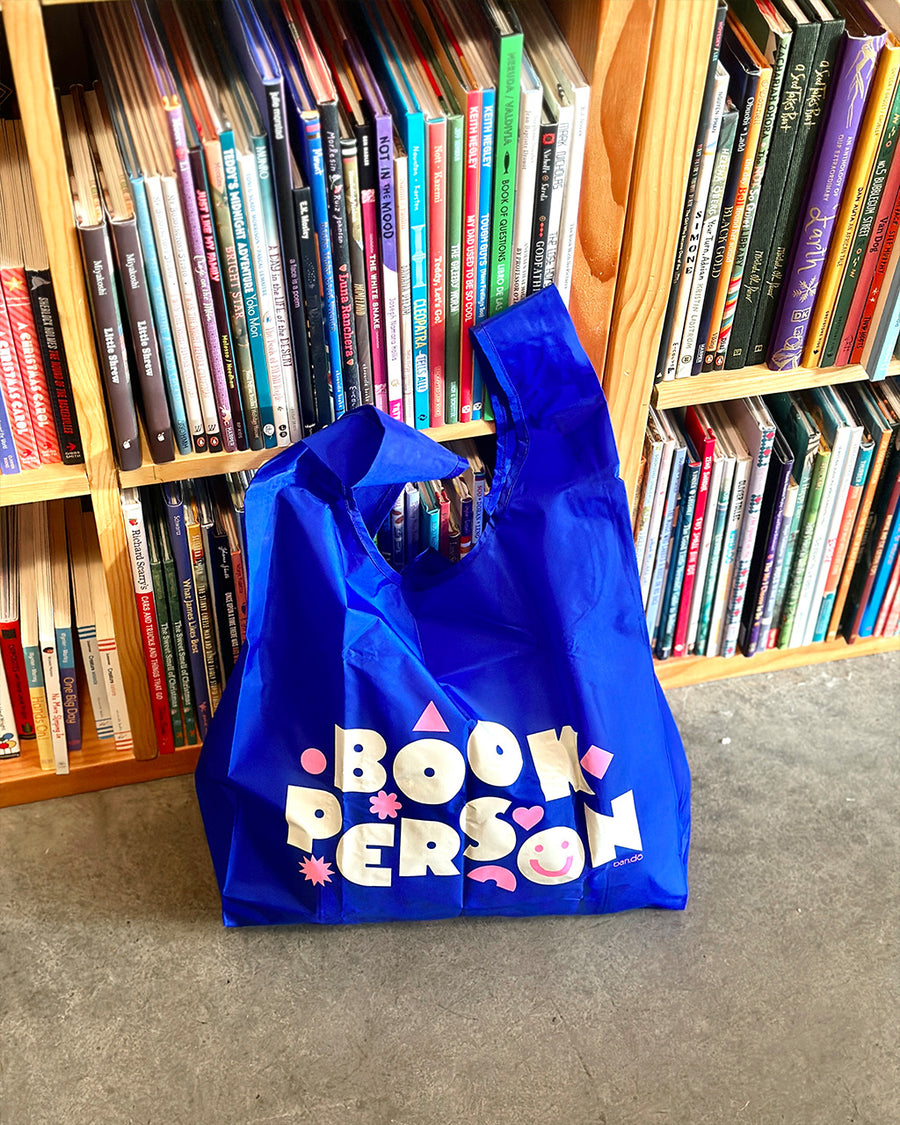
{"points": [[42, 728], [870, 133]]}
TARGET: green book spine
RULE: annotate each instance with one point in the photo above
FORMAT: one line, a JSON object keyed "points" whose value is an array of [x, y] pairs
{"points": [[784, 136], [874, 193], [715, 557], [804, 543], [455, 187], [182, 665], [794, 187], [503, 205], [779, 66], [164, 627]]}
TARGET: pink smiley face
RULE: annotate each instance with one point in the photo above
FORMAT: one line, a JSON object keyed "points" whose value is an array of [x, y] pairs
{"points": [[555, 855]]}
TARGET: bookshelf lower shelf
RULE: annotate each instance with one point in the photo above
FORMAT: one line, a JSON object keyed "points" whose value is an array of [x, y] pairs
{"points": [[98, 765], [49, 482], [701, 669]]}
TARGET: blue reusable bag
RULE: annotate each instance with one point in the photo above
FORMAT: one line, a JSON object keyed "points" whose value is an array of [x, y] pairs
{"points": [[485, 737]]}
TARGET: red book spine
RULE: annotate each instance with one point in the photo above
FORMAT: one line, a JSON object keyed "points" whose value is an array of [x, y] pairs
{"points": [[240, 591], [16, 677], [28, 353], [12, 387], [469, 251], [892, 624], [878, 276], [887, 602], [437, 245]]}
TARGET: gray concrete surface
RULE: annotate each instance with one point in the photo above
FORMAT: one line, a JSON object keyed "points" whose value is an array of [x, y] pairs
{"points": [[774, 998]]}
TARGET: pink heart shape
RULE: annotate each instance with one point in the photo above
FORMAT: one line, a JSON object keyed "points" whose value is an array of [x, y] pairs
{"points": [[528, 818]]}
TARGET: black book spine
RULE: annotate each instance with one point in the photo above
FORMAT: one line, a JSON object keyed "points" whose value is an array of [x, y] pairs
{"points": [[56, 369], [542, 196], [787, 128], [217, 288], [144, 346], [225, 616], [309, 272], [111, 351], [691, 192], [793, 188], [340, 249], [290, 254]]}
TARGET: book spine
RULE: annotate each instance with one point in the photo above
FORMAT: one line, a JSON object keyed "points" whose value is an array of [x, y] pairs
{"points": [[167, 652], [35, 677], [678, 562], [192, 315], [781, 562], [136, 536], [181, 431], [111, 672], [315, 318], [874, 543], [704, 556], [839, 135], [217, 292], [179, 645], [175, 309], [543, 190], [28, 353], [560, 170], [509, 74], [655, 523], [224, 600], [203, 594], [25, 450], [181, 553], [256, 237], [785, 133], [815, 105], [871, 131], [790, 549], [767, 551], [808, 522], [387, 225], [65, 659], [728, 564], [717, 545], [526, 182], [252, 315], [358, 267], [470, 247], [340, 250], [887, 602], [9, 742], [690, 568], [13, 658], [9, 458], [565, 258], [648, 494], [882, 272], [482, 278], [143, 341], [54, 702], [437, 280], [315, 170], [59, 384], [187, 190], [668, 526], [455, 190], [111, 344], [417, 195], [871, 208], [885, 566], [368, 202]]}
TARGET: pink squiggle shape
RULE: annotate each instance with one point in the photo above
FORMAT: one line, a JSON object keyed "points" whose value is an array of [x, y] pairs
{"points": [[504, 879]]}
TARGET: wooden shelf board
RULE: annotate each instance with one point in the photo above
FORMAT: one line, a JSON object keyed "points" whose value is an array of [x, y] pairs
{"points": [[717, 386], [98, 765], [211, 464], [49, 482], [700, 669]]}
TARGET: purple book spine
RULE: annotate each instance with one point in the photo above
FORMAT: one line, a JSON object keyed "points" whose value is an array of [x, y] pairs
{"points": [[204, 290], [798, 294], [784, 470]]}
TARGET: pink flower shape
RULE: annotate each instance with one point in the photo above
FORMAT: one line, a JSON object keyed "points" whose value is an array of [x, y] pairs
{"points": [[385, 805], [317, 871]]}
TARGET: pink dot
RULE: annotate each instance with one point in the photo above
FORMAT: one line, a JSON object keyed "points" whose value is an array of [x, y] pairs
{"points": [[313, 761], [538, 847], [564, 844]]}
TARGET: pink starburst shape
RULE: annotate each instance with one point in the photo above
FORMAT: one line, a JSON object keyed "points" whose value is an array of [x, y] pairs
{"points": [[384, 805], [317, 871]]}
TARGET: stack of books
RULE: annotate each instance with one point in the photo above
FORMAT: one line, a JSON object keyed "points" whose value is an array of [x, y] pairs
{"points": [[189, 566], [288, 209], [771, 522], [38, 425], [788, 252], [52, 589]]}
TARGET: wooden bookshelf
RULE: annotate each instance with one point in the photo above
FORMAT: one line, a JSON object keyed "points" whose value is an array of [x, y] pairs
{"points": [[49, 482], [720, 385]]}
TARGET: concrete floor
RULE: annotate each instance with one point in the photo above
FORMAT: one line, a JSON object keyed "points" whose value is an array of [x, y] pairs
{"points": [[775, 997]]}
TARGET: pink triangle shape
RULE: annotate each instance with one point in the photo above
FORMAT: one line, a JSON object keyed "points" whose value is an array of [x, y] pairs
{"points": [[431, 720]]}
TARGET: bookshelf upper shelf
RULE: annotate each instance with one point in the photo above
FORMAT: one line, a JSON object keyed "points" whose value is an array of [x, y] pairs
{"points": [[211, 464], [721, 385], [50, 482]]}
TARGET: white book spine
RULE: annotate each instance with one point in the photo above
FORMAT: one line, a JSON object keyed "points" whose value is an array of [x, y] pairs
{"points": [[729, 556], [560, 171], [643, 523], [262, 275], [565, 259], [9, 737], [709, 519], [90, 657], [529, 133], [193, 322], [834, 527], [169, 271], [707, 162], [656, 515], [836, 465]]}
